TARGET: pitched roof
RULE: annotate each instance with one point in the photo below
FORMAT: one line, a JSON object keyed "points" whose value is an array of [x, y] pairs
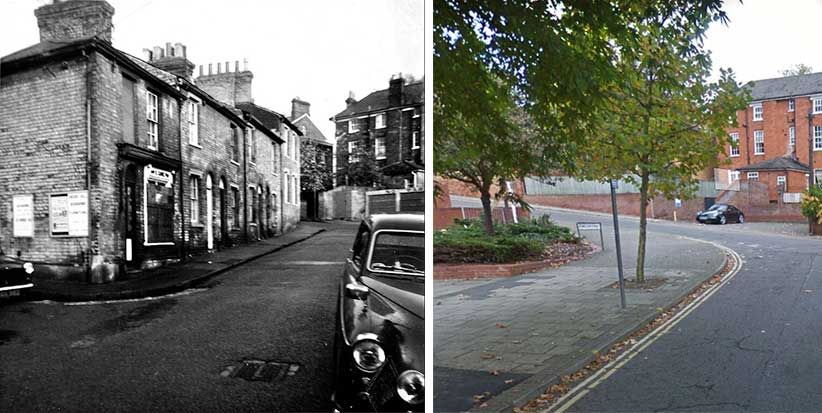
{"points": [[312, 132], [782, 163], [784, 87], [269, 118], [39, 49], [411, 93]]}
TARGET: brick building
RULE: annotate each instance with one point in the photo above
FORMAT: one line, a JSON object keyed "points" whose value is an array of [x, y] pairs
{"points": [[108, 162], [312, 141], [387, 127], [776, 132]]}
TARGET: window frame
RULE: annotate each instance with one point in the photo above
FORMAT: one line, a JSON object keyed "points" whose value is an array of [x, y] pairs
{"points": [[380, 120], [194, 122], [816, 104], [379, 142], [753, 176], [759, 140], [782, 178], [352, 156], [817, 138], [194, 199], [351, 124], [792, 136], [235, 144], [734, 150], [153, 120], [757, 108], [791, 105]]}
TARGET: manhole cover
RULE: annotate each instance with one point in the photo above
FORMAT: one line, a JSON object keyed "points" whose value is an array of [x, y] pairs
{"points": [[259, 370]]}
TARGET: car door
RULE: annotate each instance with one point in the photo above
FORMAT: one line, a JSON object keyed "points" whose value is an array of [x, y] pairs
{"points": [[350, 306]]}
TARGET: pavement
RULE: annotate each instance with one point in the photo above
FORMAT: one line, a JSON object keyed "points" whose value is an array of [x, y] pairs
{"points": [[174, 277], [505, 340]]}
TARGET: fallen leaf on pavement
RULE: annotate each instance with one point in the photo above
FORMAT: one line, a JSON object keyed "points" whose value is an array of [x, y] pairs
{"points": [[500, 325], [495, 372], [807, 291], [487, 356], [509, 381]]}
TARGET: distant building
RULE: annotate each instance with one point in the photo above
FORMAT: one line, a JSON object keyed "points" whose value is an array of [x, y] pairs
{"points": [[109, 162], [318, 176], [384, 129]]}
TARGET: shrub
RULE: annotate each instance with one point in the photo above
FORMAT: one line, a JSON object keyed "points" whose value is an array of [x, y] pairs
{"points": [[811, 203], [467, 242]]}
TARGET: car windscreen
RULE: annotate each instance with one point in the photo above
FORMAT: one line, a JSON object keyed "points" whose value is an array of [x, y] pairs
{"points": [[398, 253], [716, 207]]}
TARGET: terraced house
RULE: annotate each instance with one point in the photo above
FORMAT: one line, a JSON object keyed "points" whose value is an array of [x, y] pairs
{"points": [[109, 162]]}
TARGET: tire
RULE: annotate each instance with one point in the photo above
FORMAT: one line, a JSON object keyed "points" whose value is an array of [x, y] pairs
{"points": [[741, 219], [722, 220]]}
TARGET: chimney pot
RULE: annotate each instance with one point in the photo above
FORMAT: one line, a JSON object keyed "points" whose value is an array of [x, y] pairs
{"points": [[147, 55], [201, 70], [245, 65], [219, 67], [157, 53], [179, 50], [236, 66], [169, 50]]}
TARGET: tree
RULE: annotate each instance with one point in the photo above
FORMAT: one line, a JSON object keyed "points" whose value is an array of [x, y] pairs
{"points": [[552, 60], [362, 168], [798, 69], [315, 173], [663, 122]]}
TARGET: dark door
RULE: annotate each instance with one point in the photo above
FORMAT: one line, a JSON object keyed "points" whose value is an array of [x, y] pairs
{"points": [[130, 209], [223, 217], [709, 202]]}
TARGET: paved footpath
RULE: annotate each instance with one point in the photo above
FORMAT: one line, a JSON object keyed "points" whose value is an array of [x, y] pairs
{"points": [[507, 338]]}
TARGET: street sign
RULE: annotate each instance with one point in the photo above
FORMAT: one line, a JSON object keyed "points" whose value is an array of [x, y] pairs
{"points": [[591, 226], [677, 203]]}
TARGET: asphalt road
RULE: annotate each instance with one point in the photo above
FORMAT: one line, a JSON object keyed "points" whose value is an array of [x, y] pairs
{"points": [[753, 346], [170, 354]]}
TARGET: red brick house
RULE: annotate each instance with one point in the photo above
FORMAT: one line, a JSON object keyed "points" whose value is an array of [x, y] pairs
{"points": [[388, 125], [776, 132]]}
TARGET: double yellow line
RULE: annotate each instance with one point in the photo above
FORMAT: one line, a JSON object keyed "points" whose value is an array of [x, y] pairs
{"points": [[579, 391]]}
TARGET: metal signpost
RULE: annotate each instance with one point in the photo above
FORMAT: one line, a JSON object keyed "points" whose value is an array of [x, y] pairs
{"points": [[618, 248], [591, 226]]}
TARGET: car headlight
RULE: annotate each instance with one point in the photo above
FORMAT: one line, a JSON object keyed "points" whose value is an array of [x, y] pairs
{"points": [[411, 387], [28, 267], [368, 355]]}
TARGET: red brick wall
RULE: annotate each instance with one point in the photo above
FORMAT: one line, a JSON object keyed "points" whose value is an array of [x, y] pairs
{"points": [[444, 217]]}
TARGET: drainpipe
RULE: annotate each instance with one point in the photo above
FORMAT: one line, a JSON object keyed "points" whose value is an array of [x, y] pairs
{"points": [[245, 186], [747, 138], [182, 249], [89, 78], [282, 178]]}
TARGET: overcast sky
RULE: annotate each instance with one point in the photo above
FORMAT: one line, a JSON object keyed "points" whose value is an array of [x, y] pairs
{"points": [[315, 49], [766, 36]]}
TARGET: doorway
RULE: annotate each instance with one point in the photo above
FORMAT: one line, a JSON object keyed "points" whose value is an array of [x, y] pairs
{"points": [[130, 214], [223, 214], [209, 214]]}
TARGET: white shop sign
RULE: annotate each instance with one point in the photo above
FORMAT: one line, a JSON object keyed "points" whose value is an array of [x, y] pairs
{"points": [[23, 211], [68, 214]]}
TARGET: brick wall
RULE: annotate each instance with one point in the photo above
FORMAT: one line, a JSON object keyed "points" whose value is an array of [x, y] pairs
{"points": [[43, 151], [291, 162]]}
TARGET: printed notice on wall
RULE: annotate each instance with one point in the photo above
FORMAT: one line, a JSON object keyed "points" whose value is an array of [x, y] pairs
{"points": [[23, 210], [68, 214]]}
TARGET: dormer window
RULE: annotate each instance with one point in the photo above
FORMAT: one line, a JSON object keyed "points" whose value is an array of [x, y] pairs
{"points": [[757, 112], [379, 121]]}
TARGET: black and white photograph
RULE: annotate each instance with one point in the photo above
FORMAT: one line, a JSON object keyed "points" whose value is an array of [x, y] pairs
{"points": [[212, 205]]}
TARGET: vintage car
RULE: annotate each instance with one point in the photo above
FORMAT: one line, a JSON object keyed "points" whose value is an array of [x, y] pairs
{"points": [[15, 275], [379, 340]]}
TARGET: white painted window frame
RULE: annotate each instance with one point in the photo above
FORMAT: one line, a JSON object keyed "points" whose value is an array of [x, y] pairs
{"points": [[817, 138], [753, 176], [379, 143], [759, 138], [757, 109], [152, 118], [379, 121], [734, 152]]}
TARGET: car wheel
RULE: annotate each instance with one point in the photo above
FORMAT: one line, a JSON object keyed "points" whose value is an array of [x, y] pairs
{"points": [[722, 220], [741, 219]]}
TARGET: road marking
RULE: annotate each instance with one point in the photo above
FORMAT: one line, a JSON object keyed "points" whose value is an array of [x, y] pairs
{"points": [[575, 394], [128, 300], [312, 263]]}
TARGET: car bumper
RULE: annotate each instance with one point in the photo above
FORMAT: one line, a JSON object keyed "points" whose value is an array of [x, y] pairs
{"points": [[706, 220], [356, 391]]}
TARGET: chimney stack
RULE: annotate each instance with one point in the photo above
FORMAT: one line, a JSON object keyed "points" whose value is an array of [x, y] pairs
{"points": [[75, 20], [299, 107], [350, 101], [171, 59], [227, 86], [395, 86]]}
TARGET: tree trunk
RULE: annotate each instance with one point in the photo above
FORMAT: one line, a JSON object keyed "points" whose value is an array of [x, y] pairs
{"points": [[487, 218], [643, 224]]}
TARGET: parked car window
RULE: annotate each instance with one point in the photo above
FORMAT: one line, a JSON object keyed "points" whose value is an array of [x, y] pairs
{"points": [[717, 207], [398, 253], [360, 245]]}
